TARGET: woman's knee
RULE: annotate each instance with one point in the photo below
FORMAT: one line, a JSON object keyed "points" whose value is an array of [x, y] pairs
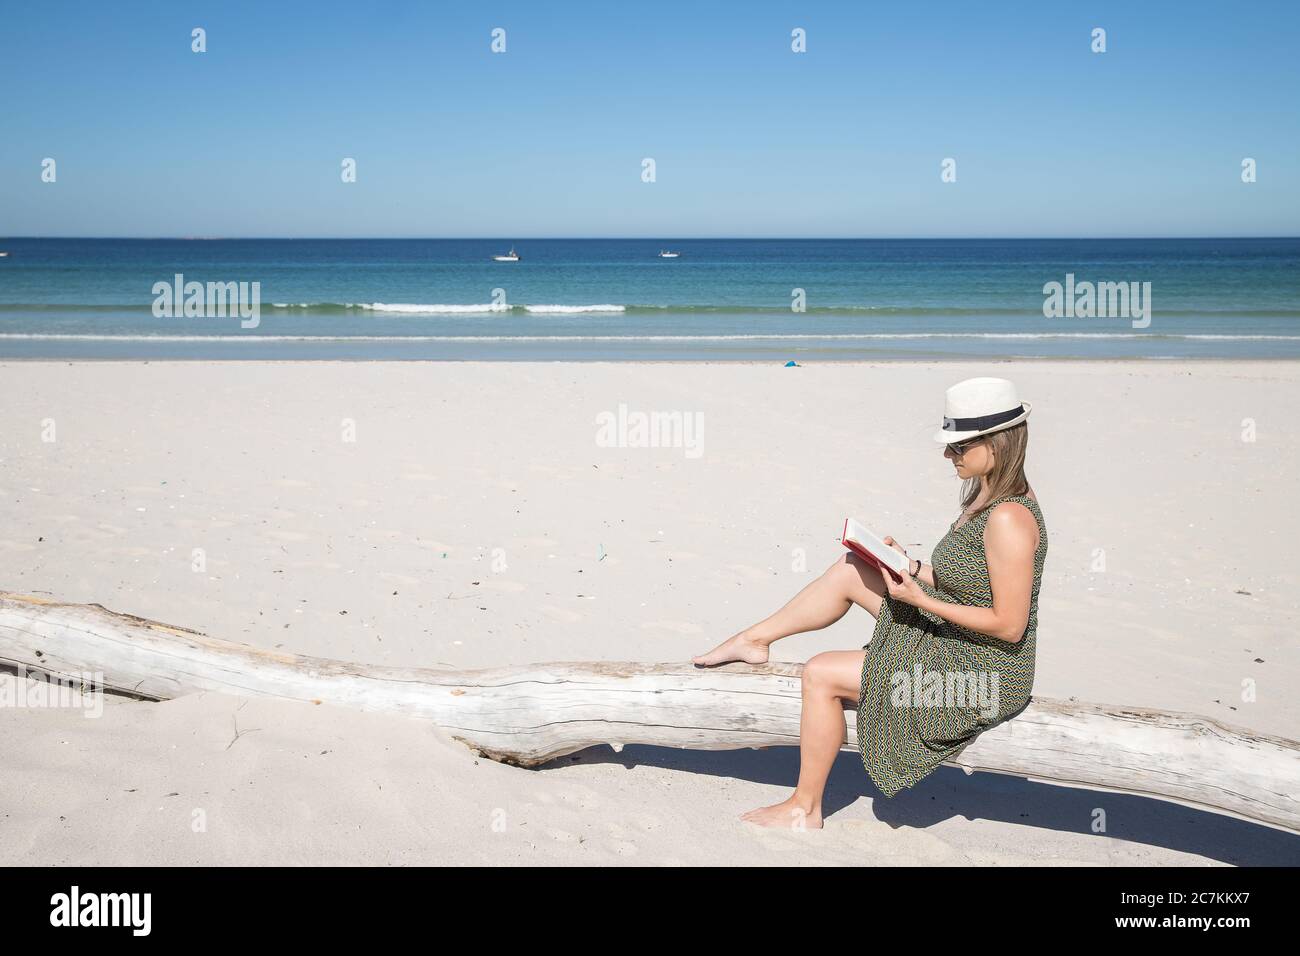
{"points": [[835, 673], [846, 572], [819, 670], [859, 581]]}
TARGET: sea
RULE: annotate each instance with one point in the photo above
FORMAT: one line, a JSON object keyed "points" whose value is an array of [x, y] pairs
{"points": [[768, 300]]}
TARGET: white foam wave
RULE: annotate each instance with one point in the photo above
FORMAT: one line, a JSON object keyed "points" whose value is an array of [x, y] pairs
{"points": [[572, 309], [416, 308]]}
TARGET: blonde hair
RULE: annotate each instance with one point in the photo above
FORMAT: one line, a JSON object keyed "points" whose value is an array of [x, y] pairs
{"points": [[1008, 474]]}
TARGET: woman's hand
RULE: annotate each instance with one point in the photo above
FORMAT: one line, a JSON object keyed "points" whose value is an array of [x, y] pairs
{"points": [[922, 575], [889, 540], [907, 590]]}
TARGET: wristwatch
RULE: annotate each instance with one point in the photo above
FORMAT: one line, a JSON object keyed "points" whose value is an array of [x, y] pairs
{"points": [[918, 568]]}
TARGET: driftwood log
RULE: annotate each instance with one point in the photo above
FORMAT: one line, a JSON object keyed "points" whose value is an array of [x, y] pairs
{"points": [[531, 713]]}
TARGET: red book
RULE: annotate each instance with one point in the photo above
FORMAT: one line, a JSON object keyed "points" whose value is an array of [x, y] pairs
{"points": [[870, 548]]}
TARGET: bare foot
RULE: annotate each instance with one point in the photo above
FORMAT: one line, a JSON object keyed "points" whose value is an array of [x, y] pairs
{"points": [[739, 647], [787, 814]]}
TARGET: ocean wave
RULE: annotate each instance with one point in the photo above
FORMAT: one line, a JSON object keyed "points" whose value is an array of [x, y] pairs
{"points": [[568, 309], [415, 308], [346, 306], [474, 308]]}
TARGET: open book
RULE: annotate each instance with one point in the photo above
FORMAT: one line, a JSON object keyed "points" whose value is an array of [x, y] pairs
{"points": [[872, 550]]}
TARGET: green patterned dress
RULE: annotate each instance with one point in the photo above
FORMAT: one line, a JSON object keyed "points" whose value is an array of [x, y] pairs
{"points": [[929, 687]]}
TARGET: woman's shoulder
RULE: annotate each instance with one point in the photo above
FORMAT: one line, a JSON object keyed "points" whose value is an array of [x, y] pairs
{"points": [[1012, 503], [1019, 511], [1015, 517]]}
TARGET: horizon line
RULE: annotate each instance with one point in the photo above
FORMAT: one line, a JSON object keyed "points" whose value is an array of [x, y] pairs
{"points": [[655, 238]]}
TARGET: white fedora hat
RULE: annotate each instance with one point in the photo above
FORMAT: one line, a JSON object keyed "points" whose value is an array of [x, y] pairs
{"points": [[979, 406]]}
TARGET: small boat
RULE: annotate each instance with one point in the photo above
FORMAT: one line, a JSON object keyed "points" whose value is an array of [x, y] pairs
{"points": [[665, 254], [3, 254], [511, 256]]}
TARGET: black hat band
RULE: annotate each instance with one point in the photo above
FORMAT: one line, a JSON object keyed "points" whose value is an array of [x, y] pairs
{"points": [[981, 422]]}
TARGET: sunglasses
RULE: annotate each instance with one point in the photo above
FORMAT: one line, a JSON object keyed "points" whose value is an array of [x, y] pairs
{"points": [[960, 448]]}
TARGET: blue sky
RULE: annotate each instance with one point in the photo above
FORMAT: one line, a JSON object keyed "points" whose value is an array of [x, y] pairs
{"points": [[749, 138]]}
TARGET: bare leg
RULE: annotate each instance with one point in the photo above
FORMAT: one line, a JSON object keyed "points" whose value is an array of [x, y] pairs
{"points": [[829, 679], [848, 581]]}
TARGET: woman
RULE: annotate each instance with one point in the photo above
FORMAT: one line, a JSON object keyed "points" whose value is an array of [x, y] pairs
{"points": [[952, 653]]}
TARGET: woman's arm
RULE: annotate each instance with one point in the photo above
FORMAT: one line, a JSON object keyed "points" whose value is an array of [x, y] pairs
{"points": [[1010, 541]]}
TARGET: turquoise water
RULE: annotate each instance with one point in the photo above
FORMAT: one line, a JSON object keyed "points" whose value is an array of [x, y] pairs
{"points": [[617, 299]]}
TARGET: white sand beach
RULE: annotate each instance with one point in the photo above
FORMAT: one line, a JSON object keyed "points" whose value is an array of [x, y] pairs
{"points": [[463, 515]]}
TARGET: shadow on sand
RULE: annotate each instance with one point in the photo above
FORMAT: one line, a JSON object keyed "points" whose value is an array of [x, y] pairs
{"points": [[949, 792]]}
